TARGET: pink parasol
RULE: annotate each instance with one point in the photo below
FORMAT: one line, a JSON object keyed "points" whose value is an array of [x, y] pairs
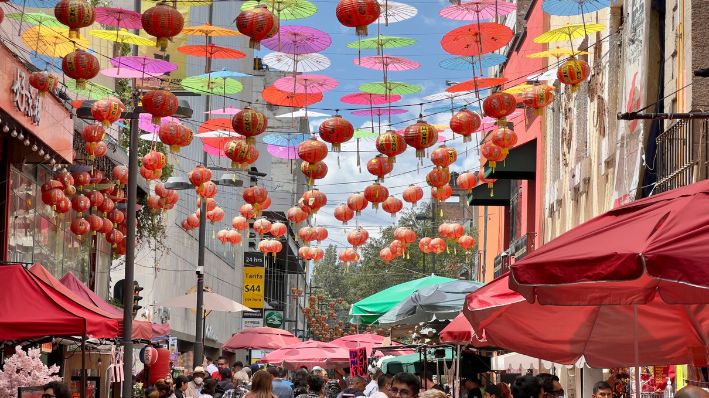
{"points": [[214, 151], [477, 10], [126, 73], [310, 353], [224, 111], [143, 64], [369, 99], [298, 40], [145, 122], [387, 63], [489, 121], [379, 112], [283, 152], [120, 18], [260, 338], [306, 84]]}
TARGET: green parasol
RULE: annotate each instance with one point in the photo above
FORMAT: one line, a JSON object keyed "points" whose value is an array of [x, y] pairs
{"points": [[285, 9], [364, 133], [35, 18], [369, 309], [92, 91], [206, 85], [390, 88], [381, 41]]}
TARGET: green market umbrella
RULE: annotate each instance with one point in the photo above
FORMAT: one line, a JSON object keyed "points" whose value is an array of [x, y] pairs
{"points": [[206, 85], [412, 363], [35, 18], [390, 88], [369, 309], [285, 9]]}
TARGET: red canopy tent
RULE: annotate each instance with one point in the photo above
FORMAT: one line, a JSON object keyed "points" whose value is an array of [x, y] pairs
{"points": [[31, 308]]}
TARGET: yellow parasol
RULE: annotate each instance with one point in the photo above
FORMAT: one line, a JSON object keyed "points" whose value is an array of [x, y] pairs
{"points": [[556, 52], [52, 41], [518, 89], [122, 36], [209, 30], [569, 32]]}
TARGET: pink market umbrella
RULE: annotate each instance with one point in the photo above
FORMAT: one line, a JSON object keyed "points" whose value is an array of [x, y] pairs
{"points": [[260, 338], [283, 152], [143, 64], [145, 122], [369, 99], [120, 18], [224, 111], [477, 10], [306, 84], [310, 353], [298, 40]]}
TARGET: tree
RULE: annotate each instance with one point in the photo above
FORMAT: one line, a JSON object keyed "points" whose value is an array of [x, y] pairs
{"points": [[25, 369]]}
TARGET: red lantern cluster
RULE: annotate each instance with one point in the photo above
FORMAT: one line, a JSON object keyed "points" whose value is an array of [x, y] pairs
{"points": [[397, 248], [258, 24], [336, 130], [296, 215], [191, 222], [167, 198], [175, 135], [451, 230], [444, 156], [93, 141], [421, 135], [199, 176], [270, 247], [75, 14], [152, 164], [308, 234], [80, 66], [160, 103], [405, 235], [391, 144], [348, 256], [262, 226], [215, 215], [249, 123], [107, 111], [256, 196], [538, 97], [376, 194], [573, 72], [314, 200], [465, 123], [358, 14], [44, 81], [413, 194], [312, 150], [164, 22]]}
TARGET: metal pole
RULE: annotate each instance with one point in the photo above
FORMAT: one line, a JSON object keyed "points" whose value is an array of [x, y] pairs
{"points": [[484, 251]]}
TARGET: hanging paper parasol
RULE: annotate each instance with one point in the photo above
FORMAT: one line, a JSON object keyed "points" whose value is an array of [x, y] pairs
{"points": [[284, 9], [298, 40], [35, 18], [207, 85], [91, 91], [476, 39], [380, 42], [283, 152], [274, 96], [473, 62], [518, 89], [36, 3], [568, 32], [208, 30], [556, 52], [393, 12], [285, 140], [211, 51], [224, 111], [455, 107], [145, 122], [567, 8], [122, 36], [367, 131], [148, 66], [226, 73], [379, 112], [369, 99], [477, 10], [218, 124], [549, 75], [302, 113], [118, 17], [387, 63], [476, 84], [306, 84], [127, 73], [448, 96], [389, 88], [50, 41], [150, 137], [302, 63]]}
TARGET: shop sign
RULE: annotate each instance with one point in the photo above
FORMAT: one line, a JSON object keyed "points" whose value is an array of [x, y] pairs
{"points": [[358, 361], [274, 319], [253, 289], [26, 98], [172, 347], [251, 323]]}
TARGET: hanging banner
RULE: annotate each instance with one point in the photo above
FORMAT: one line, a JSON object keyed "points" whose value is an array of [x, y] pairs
{"points": [[358, 361]]}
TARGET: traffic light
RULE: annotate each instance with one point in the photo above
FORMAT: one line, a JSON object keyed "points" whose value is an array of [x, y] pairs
{"points": [[136, 297]]}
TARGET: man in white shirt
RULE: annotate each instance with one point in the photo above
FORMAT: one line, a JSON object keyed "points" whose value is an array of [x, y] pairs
{"points": [[383, 384], [373, 385]]}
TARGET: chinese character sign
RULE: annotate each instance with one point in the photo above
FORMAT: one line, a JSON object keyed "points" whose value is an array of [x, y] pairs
{"points": [[358, 361]]}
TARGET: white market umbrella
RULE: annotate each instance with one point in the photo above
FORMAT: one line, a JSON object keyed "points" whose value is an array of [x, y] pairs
{"points": [[212, 302], [302, 113]]}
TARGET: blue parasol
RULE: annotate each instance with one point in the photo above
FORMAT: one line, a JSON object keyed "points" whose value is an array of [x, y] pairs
{"points": [[472, 63], [573, 7], [285, 139]]}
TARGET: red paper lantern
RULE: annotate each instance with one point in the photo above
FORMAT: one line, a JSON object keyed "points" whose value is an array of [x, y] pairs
{"points": [[80, 227], [265, 204], [222, 236], [106, 227], [483, 180], [249, 123], [358, 14], [153, 160], [240, 223], [255, 195], [164, 22], [296, 215], [233, 237], [241, 153], [413, 194], [200, 175], [153, 202], [262, 226], [114, 237], [437, 245], [216, 215], [193, 221], [107, 111], [349, 256], [573, 72], [314, 199], [312, 150], [107, 205], [444, 230], [63, 206], [44, 81], [116, 216], [322, 233], [80, 203], [308, 234], [466, 242], [425, 245], [247, 211], [120, 174], [160, 103], [380, 166], [386, 255], [397, 248], [376, 194], [467, 181], [357, 202], [95, 222], [305, 253], [405, 235], [81, 178], [465, 123], [357, 237], [499, 105], [421, 135], [278, 229], [317, 253], [314, 171], [150, 174], [96, 149], [438, 177], [391, 144], [175, 136], [336, 130], [538, 97], [504, 138], [258, 24], [343, 213], [444, 156], [442, 194], [392, 205], [455, 231], [80, 66], [207, 190], [492, 153], [75, 14]]}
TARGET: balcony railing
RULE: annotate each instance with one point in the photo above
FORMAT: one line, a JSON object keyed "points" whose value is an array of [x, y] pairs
{"points": [[518, 249], [677, 154]]}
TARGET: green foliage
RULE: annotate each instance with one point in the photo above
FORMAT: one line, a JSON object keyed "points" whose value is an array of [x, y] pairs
{"points": [[372, 275]]}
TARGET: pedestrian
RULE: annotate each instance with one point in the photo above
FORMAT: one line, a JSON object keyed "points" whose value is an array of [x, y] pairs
{"points": [[195, 386], [315, 386], [332, 388], [210, 389], [358, 383], [493, 391], [181, 384], [428, 383], [405, 385], [261, 385], [506, 392], [236, 367], [242, 377], [602, 389], [300, 382], [164, 389], [472, 388], [433, 393], [551, 385], [383, 387], [280, 388], [692, 392], [373, 385], [527, 387], [152, 392], [56, 389], [225, 384]]}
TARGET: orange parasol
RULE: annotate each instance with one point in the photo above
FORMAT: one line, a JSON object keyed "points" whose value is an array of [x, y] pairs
{"points": [[477, 84], [211, 51], [476, 39], [216, 132], [275, 96]]}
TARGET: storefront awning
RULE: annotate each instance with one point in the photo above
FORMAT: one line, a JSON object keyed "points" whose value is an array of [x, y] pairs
{"points": [[520, 164], [498, 195]]}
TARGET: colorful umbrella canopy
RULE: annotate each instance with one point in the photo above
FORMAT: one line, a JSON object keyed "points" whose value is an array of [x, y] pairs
{"points": [[122, 36], [389, 88], [445, 95], [649, 247], [569, 8], [556, 52], [306, 84], [209, 30], [274, 96], [118, 17], [518, 89], [52, 41], [35, 18], [473, 62], [476, 83], [569, 32], [145, 123], [309, 353], [149, 66], [91, 91], [392, 12], [298, 40], [303, 63], [261, 338], [661, 332], [287, 139], [224, 111], [283, 152], [477, 10], [367, 131], [285, 9], [211, 51], [369, 309], [387, 62], [208, 85], [303, 113], [380, 42], [379, 112], [476, 39], [369, 99]]}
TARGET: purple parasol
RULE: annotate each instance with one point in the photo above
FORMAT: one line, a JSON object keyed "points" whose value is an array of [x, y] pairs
{"points": [[306, 84], [298, 40], [145, 122], [379, 112], [144, 64], [118, 17], [126, 73], [283, 152]]}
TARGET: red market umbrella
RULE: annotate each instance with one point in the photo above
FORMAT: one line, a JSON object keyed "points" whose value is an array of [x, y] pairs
{"points": [[261, 338], [310, 353], [460, 332], [274, 96], [476, 39], [605, 336], [651, 247], [476, 83]]}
